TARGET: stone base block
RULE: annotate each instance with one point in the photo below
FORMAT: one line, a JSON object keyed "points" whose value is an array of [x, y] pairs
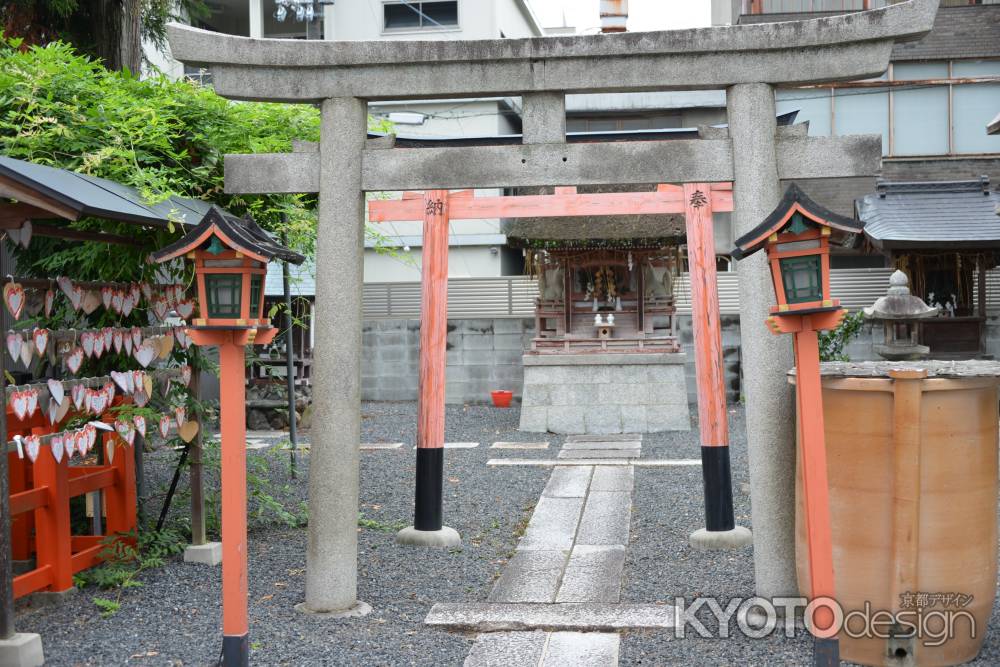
{"points": [[446, 537], [720, 540], [357, 610], [209, 553], [52, 598], [604, 394], [24, 649]]}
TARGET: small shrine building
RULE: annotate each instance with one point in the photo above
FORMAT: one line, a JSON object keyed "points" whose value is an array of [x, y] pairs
{"points": [[605, 357]]}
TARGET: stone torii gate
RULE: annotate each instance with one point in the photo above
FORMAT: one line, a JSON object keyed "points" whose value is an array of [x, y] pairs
{"points": [[746, 60]]}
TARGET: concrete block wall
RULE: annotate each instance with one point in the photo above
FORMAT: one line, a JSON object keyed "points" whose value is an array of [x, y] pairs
{"points": [[730, 355], [483, 355]]}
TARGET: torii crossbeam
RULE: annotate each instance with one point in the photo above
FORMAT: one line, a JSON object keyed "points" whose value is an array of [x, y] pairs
{"points": [[696, 201]]}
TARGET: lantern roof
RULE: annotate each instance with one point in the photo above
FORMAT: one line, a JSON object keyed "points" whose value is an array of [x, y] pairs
{"points": [[240, 234], [782, 217]]}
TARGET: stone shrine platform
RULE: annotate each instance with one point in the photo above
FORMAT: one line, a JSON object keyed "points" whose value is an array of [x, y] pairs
{"points": [[602, 393]]}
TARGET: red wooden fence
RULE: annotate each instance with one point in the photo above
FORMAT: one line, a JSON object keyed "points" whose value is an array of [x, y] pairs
{"points": [[40, 495]]}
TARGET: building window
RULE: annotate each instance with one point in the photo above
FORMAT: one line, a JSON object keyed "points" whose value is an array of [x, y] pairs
{"points": [[420, 15], [920, 113], [925, 108]]}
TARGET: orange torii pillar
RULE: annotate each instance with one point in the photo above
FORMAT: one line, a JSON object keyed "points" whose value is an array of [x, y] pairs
{"points": [[720, 529], [427, 529]]}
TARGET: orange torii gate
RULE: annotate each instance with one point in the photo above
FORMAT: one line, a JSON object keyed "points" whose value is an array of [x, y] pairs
{"points": [[696, 201]]}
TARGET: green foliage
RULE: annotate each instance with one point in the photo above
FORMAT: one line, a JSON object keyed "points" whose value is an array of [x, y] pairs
{"points": [[832, 344], [382, 527], [126, 556], [163, 137], [76, 21]]}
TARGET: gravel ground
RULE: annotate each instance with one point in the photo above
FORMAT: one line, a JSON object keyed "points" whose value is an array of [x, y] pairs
{"points": [[174, 618]]}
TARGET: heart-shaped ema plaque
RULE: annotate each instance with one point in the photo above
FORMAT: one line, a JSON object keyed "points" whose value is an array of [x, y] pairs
{"points": [[74, 359], [13, 297], [188, 431]]}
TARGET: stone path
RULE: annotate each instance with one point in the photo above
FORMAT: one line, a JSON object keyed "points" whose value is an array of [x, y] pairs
{"points": [[572, 555]]}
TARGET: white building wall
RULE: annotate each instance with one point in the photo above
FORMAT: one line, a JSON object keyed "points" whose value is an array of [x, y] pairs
{"points": [[463, 262], [362, 20], [514, 18]]}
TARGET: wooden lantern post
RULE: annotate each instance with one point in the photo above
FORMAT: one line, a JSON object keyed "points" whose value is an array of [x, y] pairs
{"points": [[230, 257], [797, 239]]}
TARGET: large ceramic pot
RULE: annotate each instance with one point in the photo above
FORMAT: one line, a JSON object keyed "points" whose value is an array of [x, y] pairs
{"points": [[912, 464]]}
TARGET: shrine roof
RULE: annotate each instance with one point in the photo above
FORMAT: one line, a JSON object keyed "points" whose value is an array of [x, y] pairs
{"points": [[620, 231], [931, 214]]}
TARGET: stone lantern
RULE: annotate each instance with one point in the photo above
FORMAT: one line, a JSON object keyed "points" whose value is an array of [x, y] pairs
{"points": [[901, 314]]}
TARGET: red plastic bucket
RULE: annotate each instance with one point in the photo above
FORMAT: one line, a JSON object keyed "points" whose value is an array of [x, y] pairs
{"points": [[502, 398]]}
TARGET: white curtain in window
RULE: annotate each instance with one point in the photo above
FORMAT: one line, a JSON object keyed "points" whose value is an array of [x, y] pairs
{"points": [[813, 106], [974, 106], [862, 111], [920, 112]]}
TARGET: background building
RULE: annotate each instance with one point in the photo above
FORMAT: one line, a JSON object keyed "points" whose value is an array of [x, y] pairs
{"points": [[477, 247]]}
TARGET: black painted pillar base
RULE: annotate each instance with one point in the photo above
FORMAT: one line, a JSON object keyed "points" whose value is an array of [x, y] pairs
{"points": [[430, 477], [826, 652], [718, 482], [236, 650]]}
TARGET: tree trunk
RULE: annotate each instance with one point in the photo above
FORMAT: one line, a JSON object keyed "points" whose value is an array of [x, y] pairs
{"points": [[118, 30]]}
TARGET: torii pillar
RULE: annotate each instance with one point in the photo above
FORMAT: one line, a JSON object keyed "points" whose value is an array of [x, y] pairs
{"points": [[764, 358]]}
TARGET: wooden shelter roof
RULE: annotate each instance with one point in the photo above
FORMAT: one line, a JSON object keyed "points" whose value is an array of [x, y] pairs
{"points": [[49, 192]]}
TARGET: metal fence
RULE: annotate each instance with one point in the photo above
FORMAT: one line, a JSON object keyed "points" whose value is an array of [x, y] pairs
{"points": [[514, 296]]}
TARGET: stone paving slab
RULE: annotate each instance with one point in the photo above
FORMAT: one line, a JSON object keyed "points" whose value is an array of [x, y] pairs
{"points": [[611, 437], [606, 518], [599, 454], [503, 649], [530, 576], [256, 444], [568, 482], [639, 463], [381, 445], [613, 478], [582, 649], [458, 445], [519, 445], [598, 617], [593, 574], [600, 445], [553, 524]]}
